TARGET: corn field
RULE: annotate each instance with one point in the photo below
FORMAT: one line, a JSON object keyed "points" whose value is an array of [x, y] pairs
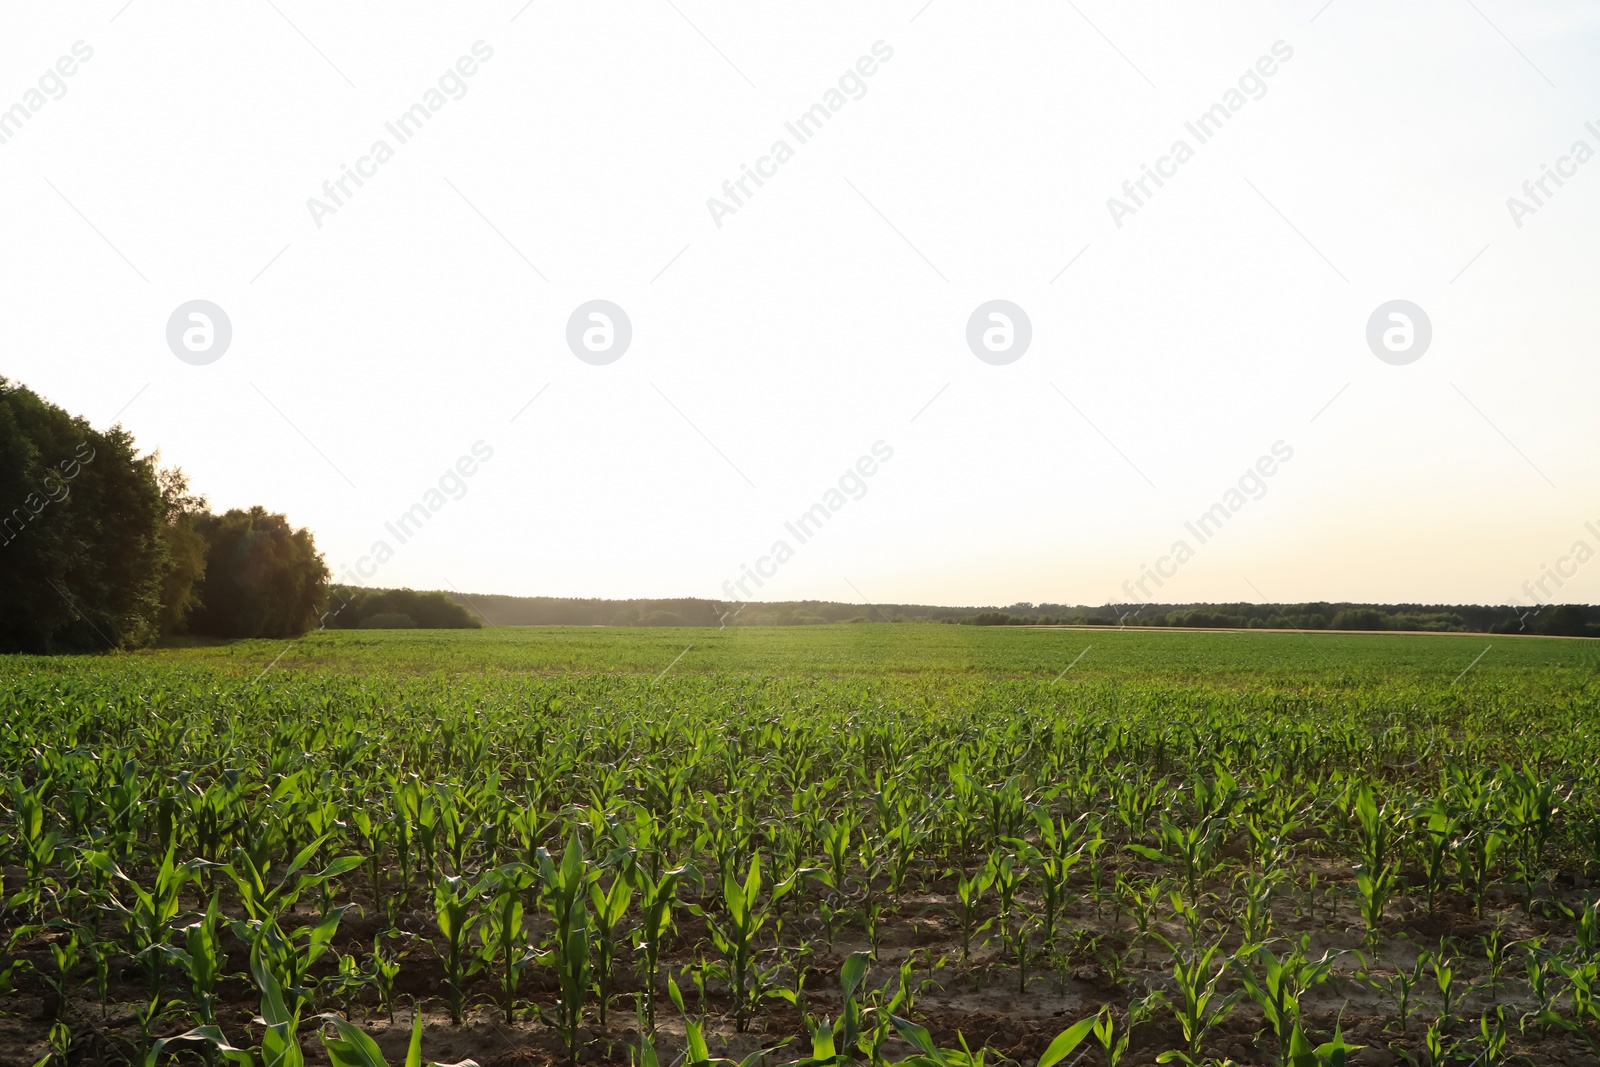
{"points": [[1193, 849]]}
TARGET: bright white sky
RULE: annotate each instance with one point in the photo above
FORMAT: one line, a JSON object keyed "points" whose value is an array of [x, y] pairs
{"points": [[828, 311]]}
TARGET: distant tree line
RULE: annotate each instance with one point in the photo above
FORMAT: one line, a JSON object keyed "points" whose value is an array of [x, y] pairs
{"points": [[565, 611], [100, 547], [358, 608], [1565, 620]]}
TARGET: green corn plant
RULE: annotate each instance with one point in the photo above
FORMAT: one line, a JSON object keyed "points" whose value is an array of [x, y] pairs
{"points": [[570, 960], [1142, 902], [60, 1042], [735, 937], [1495, 1037], [280, 1041], [291, 955], [99, 953], [263, 898], [1586, 931], [453, 901], [1583, 983], [1017, 938], [38, 847], [1444, 978], [1477, 849], [1435, 830], [1008, 875], [903, 842], [1402, 985], [1193, 922], [1193, 848], [1277, 988], [833, 1040], [1376, 874], [376, 835], [795, 992], [969, 892], [149, 918], [569, 953], [836, 839], [1441, 1048], [657, 895], [1532, 808], [353, 1048], [456, 828], [504, 949], [1497, 953], [1272, 831], [1374, 891], [610, 906], [696, 1053], [565, 887], [918, 1037], [202, 960], [64, 953], [1335, 1052], [1537, 967], [346, 984], [384, 968], [1199, 1004], [1255, 916], [1054, 863], [1114, 1039]]}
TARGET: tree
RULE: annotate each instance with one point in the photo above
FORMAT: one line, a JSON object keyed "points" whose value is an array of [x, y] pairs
{"points": [[186, 548], [1566, 620], [82, 555], [358, 607], [263, 577], [1360, 619]]}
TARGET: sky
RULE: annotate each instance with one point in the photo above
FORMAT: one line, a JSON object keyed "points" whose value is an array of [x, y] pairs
{"points": [[949, 324]]}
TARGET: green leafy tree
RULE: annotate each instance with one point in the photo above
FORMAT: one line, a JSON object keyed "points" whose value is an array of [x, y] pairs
{"points": [[186, 549], [82, 555], [263, 577], [1565, 620]]}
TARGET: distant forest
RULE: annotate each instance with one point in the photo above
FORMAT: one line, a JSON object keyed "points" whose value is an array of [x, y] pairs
{"points": [[101, 547], [1565, 620]]}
